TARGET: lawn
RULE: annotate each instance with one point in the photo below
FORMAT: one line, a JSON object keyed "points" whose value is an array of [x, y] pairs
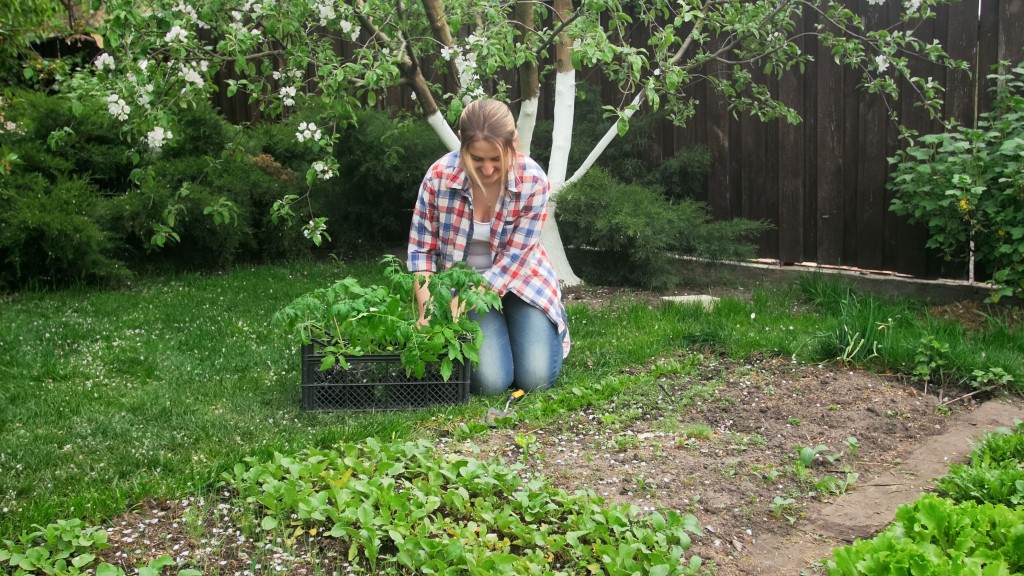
{"points": [[110, 397]]}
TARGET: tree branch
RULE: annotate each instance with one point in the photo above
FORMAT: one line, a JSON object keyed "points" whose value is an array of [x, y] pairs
{"points": [[555, 33]]}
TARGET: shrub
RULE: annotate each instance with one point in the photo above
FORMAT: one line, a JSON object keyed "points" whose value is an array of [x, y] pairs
{"points": [[967, 186], [57, 142], [54, 234], [188, 179], [628, 233], [382, 162], [58, 137], [683, 175]]}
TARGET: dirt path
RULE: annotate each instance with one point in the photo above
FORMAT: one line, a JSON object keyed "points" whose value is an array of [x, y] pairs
{"points": [[869, 507]]}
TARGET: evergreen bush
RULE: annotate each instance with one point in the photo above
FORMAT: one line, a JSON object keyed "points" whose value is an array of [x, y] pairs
{"points": [[54, 234], [382, 162], [70, 157], [628, 233], [56, 136]]}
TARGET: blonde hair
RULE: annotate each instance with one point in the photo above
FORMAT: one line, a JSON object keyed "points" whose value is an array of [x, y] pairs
{"points": [[489, 121]]}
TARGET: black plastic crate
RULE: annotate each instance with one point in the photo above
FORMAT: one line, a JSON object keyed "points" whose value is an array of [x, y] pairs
{"points": [[377, 382]]}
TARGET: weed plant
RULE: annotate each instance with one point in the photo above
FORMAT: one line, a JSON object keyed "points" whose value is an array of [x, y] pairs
{"points": [[109, 397]]}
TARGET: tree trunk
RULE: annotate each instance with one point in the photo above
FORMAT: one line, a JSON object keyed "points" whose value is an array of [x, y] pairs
{"points": [[561, 141], [529, 81]]}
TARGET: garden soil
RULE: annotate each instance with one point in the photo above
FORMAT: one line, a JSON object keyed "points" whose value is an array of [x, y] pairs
{"points": [[720, 442], [730, 457]]}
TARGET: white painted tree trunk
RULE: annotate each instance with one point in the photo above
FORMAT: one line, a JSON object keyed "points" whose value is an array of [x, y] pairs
{"points": [[443, 130], [561, 143], [526, 124], [601, 146]]}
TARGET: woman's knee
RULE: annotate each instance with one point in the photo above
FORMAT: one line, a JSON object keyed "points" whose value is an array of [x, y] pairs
{"points": [[537, 373], [489, 382]]}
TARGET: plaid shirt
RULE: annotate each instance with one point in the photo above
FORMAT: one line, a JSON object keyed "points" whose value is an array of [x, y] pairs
{"points": [[442, 225]]}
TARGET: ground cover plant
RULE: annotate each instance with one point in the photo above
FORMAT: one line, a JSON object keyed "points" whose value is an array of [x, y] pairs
{"points": [[141, 399]]}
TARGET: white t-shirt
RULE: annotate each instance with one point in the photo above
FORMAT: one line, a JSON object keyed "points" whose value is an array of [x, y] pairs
{"points": [[479, 252]]}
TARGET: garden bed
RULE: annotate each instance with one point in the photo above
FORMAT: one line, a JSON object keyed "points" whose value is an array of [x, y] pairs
{"points": [[721, 443], [724, 444]]}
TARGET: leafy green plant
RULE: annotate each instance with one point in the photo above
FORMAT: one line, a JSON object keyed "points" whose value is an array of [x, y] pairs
{"points": [[836, 486], [404, 503], [936, 536], [931, 360], [807, 455], [852, 445], [995, 473], [64, 547], [349, 319], [786, 508], [965, 185], [994, 377]]}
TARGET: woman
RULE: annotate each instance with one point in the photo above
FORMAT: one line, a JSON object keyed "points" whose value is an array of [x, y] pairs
{"points": [[485, 205]]}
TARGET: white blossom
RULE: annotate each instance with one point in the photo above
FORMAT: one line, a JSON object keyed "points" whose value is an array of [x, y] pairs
{"points": [[323, 171], [176, 33], [876, 2], [158, 136], [105, 61], [288, 95], [327, 13], [882, 62], [308, 131], [191, 75], [117, 107], [913, 6], [190, 14]]}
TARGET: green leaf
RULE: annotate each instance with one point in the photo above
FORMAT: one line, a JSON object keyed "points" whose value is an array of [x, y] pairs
{"points": [[268, 523], [105, 569], [82, 560]]}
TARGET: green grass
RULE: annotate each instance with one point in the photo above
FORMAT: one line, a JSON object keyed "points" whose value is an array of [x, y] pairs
{"points": [[109, 397]]}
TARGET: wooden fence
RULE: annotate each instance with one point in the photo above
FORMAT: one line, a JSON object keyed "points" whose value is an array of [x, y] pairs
{"points": [[821, 183]]}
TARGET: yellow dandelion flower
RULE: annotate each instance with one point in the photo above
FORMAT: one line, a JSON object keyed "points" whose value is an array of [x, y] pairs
{"points": [[964, 205]]}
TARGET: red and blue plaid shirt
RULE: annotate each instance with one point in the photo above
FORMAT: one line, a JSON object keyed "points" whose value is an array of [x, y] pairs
{"points": [[442, 225]]}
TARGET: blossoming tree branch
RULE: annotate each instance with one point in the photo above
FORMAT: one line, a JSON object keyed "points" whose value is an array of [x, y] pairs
{"points": [[286, 52]]}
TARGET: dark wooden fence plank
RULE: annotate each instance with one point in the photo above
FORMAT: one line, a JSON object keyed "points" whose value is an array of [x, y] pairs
{"points": [[851, 154], [720, 180], [791, 163], [870, 168], [962, 44], [1011, 31], [988, 51], [750, 157], [829, 124]]}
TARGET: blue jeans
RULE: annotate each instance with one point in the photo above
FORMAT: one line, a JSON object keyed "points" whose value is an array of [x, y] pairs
{"points": [[521, 348]]}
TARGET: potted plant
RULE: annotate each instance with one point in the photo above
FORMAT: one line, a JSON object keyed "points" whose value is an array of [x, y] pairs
{"points": [[362, 348]]}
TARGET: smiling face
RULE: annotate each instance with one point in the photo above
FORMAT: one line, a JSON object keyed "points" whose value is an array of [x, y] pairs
{"points": [[488, 134], [487, 161]]}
